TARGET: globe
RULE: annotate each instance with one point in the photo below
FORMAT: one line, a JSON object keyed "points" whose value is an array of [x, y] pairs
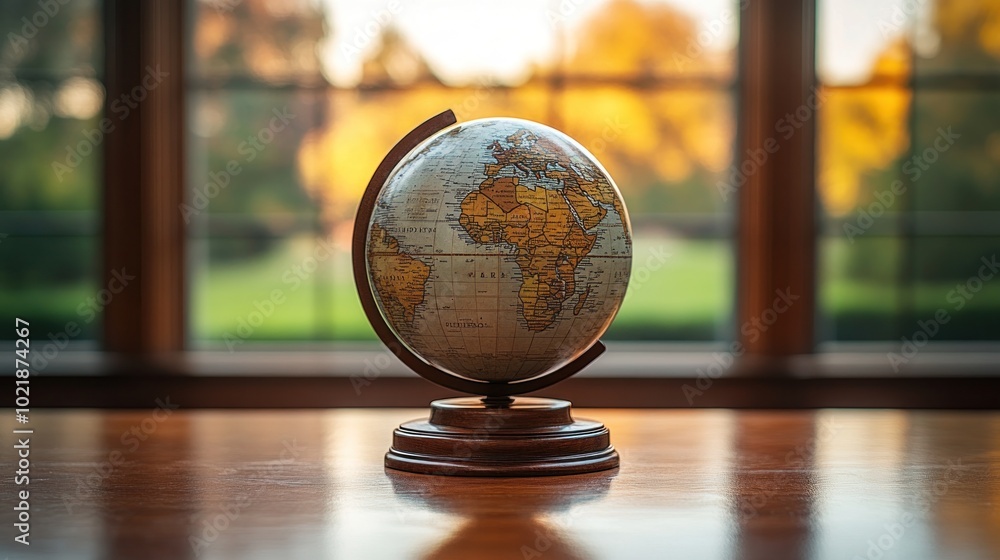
{"points": [[498, 250]]}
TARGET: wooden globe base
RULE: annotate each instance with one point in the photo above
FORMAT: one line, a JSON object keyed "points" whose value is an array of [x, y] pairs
{"points": [[522, 436]]}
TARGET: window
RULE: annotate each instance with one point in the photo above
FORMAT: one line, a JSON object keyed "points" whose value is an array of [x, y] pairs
{"points": [[878, 211], [908, 146], [646, 86], [51, 98]]}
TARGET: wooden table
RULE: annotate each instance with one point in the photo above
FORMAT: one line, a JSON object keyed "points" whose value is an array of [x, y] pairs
{"points": [[841, 484]]}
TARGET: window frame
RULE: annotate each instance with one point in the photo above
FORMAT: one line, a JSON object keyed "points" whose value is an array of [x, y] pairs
{"points": [[143, 227]]}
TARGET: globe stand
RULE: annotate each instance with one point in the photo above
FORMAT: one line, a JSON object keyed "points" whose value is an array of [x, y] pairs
{"points": [[500, 436], [495, 435]]}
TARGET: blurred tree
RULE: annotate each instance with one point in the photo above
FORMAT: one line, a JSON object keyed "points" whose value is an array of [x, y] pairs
{"points": [[49, 97], [871, 136], [867, 132], [269, 45], [663, 147], [862, 132]]}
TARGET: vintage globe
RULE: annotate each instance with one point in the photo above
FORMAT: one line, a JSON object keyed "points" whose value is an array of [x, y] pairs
{"points": [[498, 250]]}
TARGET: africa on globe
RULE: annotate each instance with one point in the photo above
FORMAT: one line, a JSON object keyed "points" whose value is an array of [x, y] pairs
{"points": [[498, 250]]}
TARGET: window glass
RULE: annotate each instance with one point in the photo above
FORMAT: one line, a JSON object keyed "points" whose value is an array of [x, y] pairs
{"points": [[51, 104], [647, 86], [908, 146]]}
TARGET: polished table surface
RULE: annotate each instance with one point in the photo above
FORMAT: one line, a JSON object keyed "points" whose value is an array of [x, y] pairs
{"points": [[692, 484]]}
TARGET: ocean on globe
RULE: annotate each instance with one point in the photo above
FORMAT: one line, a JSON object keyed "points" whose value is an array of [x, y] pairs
{"points": [[499, 250]]}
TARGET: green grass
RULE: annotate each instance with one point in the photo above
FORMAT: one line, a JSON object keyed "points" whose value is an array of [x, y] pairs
{"points": [[687, 295], [843, 294], [48, 308], [321, 304], [856, 309], [691, 285]]}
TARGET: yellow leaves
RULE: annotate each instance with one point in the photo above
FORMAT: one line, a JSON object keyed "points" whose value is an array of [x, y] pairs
{"points": [[645, 137], [272, 41], [989, 30], [634, 39], [953, 18], [335, 163], [211, 33], [894, 61], [863, 131], [860, 132], [395, 62], [648, 137], [958, 20], [839, 188]]}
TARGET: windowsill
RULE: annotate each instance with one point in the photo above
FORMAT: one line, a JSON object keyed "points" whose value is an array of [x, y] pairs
{"points": [[622, 360], [629, 375]]}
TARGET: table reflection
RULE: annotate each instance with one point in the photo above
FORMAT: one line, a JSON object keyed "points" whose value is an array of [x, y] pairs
{"points": [[772, 484], [504, 521]]}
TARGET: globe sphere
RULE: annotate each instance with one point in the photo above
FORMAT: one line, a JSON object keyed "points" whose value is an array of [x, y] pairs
{"points": [[498, 250]]}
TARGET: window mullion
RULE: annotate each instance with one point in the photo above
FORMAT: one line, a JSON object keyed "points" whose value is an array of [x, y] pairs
{"points": [[774, 179], [144, 166]]}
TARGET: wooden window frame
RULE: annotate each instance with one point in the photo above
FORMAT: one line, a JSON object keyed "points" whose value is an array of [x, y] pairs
{"points": [[144, 180], [776, 236]]}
